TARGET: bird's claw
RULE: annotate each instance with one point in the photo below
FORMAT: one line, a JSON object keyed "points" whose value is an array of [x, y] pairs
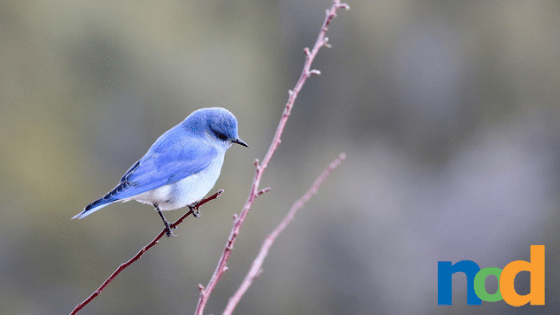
{"points": [[194, 210], [169, 231]]}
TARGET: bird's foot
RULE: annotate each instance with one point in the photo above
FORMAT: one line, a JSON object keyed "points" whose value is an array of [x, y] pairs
{"points": [[194, 210], [169, 231]]}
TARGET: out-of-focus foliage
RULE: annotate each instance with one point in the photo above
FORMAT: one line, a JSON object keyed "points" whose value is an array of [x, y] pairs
{"points": [[447, 110]]}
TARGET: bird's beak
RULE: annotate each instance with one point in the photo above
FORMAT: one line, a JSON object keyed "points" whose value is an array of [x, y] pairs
{"points": [[241, 142]]}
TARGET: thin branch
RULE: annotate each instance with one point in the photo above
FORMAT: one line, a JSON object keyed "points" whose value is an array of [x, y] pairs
{"points": [[260, 168], [256, 268], [140, 253]]}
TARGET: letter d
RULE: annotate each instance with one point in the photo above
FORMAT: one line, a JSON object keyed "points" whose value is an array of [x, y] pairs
{"points": [[536, 270]]}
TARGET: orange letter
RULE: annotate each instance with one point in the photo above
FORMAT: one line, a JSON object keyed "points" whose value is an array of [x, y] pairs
{"points": [[536, 270]]}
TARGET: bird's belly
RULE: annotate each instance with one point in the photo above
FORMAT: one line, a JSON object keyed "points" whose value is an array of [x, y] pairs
{"points": [[185, 191]]}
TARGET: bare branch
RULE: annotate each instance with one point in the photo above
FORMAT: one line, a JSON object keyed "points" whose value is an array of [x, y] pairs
{"points": [[261, 167], [256, 268], [140, 253]]}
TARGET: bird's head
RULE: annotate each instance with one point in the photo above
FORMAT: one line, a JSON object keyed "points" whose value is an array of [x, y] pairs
{"points": [[217, 123]]}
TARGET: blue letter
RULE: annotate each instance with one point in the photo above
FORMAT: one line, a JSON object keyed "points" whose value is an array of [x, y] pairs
{"points": [[445, 270]]}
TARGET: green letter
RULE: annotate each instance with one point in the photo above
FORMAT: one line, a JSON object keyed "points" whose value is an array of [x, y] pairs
{"points": [[480, 287]]}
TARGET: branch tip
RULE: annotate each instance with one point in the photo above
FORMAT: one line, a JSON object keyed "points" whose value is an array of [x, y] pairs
{"points": [[200, 287], [264, 190], [314, 72], [343, 6]]}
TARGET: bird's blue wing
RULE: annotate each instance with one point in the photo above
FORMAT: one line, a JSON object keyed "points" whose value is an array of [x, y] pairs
{"points": [[165, 163]]}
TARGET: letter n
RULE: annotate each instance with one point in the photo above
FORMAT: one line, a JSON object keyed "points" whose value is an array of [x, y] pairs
{"points": [[445, 272]]}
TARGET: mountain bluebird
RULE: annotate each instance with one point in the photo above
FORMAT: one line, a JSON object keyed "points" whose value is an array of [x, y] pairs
{"points": [[181, 166]]}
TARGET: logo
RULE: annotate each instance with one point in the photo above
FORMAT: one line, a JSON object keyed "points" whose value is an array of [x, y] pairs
{"points": [[476, 288]]}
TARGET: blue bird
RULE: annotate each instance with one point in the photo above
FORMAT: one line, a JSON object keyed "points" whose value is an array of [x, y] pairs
{"points": [[180, 168]]}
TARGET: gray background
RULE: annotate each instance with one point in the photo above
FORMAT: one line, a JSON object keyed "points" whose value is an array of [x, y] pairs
{"points": [[447, 110]]}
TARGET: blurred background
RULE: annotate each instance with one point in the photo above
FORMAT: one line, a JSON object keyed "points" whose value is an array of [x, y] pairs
{"points": [[447, 110]]}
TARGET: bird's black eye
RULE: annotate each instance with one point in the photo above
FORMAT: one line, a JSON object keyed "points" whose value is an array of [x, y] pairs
{"points": [[221, 136]]}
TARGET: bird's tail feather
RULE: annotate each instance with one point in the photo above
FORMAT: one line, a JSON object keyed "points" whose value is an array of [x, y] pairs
{"points": [[100, 203], [92, 207]]}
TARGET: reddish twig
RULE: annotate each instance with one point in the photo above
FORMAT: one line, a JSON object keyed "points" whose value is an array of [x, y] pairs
{"points": [[256, 268], [140, 253], [260, 168]]}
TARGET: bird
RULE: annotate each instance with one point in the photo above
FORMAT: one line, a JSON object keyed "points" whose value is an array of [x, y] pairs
{"points": [[180, 168]]}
